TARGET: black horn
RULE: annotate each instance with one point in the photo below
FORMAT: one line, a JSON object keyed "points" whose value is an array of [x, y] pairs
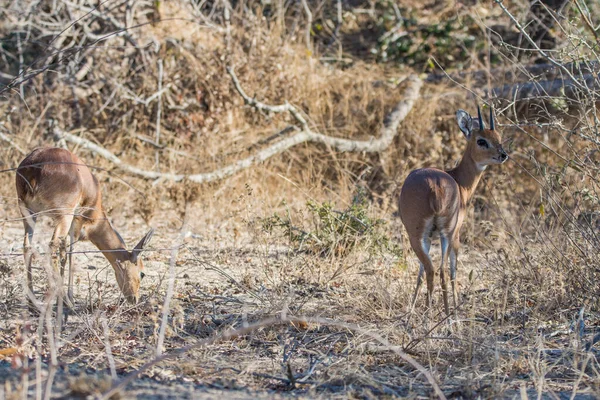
{"points": [[481, 124], [491, 118]]}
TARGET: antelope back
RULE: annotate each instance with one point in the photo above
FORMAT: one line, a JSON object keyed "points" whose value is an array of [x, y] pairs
{"points": [[54, 179]]}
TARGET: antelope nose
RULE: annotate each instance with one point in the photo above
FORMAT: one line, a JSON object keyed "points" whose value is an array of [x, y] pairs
{"points": [[503, 155]]}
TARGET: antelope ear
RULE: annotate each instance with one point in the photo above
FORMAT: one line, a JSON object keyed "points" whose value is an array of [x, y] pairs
{"points": [[137, 250], [465, 122]]}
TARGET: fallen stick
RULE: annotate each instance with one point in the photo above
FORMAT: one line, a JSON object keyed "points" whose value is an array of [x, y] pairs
{"points": [[374, 145]]}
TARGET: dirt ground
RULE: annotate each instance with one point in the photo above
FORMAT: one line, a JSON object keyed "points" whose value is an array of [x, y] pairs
{"points": [[231, 274]]}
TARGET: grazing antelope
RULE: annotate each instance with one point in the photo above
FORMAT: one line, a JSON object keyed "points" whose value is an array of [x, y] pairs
{"points": [[55, 182], [434, 202]]}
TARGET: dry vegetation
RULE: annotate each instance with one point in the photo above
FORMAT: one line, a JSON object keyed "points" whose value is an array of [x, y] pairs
{"points": [[310, 231]]}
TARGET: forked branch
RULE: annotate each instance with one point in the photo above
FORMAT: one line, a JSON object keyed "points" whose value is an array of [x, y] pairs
{"points": [[389, 130]]}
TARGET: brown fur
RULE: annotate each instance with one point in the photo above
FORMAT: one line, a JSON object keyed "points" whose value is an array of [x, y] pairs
{"points": [[434, 202], [55, 182]]}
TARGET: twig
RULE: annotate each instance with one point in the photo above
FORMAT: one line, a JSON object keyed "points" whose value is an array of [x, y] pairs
{"points": [[150, 99], [227, 17], [286, 107], [309, 19], [158, 111], [108, 18], [109, 356], [12, 143], [588, 23], [8, 77], [171, 284]]}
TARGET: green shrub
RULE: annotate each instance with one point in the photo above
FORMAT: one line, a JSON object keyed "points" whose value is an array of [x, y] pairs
{"points": [[330, 231]]}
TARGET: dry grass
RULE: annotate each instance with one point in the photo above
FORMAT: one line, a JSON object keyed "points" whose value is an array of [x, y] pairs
{"points": [[528, 271]]}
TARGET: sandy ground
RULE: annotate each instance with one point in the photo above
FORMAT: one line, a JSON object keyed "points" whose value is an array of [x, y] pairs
{"points": [[222, 280]]}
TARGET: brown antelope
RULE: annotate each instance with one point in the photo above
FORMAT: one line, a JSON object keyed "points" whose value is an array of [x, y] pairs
{"points": [[55, 182], [434, 202]]}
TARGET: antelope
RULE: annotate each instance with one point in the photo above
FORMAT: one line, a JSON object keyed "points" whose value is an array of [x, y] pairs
{"points": [[55, 182], [434, 202]]}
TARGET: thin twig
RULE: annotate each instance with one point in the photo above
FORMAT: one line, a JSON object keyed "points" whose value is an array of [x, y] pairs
{"points": [[158, 111], [171, 284], [109, 356]]}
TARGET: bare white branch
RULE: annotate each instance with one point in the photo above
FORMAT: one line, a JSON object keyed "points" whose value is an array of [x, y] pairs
{"points": [[373, 145], [309, 20]]}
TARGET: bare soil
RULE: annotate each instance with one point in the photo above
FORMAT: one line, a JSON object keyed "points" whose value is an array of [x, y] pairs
{"points": [[225, 279]]}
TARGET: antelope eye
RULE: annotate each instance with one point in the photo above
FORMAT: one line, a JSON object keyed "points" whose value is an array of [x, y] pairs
{"points": [[142, 275], [482, 143]]}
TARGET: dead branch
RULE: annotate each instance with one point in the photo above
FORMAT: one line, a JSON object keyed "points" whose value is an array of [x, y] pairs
{"points": [[309, 20], [374, 145], [11, 143], [251, 101], [387, 134], [536, 83]]}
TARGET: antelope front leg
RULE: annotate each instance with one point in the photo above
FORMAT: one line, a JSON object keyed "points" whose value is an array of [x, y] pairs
{"points": [[59, 239], [63, 263], [62, 254], [453, 256], [74, 235], [444, 242], [28, 256], [54, 250]]}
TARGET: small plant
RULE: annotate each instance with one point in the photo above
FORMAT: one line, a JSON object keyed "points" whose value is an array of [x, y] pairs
{"points": [[336, 232]]}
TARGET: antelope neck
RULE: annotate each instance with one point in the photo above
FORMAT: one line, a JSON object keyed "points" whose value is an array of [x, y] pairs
{"points": [[467, 174], [104, 237]]}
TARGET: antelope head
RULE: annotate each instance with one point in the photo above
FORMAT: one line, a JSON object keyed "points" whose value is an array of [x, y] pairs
{"points": [[129, 272], [484, 145]]}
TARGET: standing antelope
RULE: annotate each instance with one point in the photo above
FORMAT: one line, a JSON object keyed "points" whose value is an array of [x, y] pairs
{"points": [[54, 182], [434, 202]]}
